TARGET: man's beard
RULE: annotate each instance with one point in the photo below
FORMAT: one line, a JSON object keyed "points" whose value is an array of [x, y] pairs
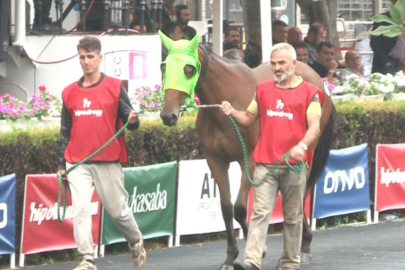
{"points": [[288, 73]]}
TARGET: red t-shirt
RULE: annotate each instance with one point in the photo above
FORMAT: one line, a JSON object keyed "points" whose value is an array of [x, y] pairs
{"points": [[94, 115], [282, 119]]}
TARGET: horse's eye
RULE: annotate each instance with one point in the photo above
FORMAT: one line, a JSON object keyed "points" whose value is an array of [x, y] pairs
{"points": [[189, 71], [163, 68]]}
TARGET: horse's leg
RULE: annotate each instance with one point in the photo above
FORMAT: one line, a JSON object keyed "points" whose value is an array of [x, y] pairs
{"points": [[240, 207], [306, 241], [219, 170]]}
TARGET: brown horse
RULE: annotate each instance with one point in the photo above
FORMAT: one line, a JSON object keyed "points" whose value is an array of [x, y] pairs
{"points": [[220, 80]]}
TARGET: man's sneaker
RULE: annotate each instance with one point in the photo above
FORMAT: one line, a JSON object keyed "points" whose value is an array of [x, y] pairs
{"points": [[86, 265], [138, 254]]}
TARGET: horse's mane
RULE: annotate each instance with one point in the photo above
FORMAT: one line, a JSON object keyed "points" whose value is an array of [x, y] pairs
{"points": [[211, 52]]}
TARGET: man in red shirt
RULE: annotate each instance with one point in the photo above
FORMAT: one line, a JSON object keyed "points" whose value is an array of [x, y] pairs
{"points": [[92, 110], [289, 112]]}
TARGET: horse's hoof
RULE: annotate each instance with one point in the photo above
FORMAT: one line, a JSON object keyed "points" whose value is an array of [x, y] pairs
{"points": [[306, 258], [264, 251], [226, 267]]}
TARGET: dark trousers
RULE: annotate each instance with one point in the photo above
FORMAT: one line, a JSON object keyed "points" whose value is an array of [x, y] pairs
{"points": [[44, 13]]}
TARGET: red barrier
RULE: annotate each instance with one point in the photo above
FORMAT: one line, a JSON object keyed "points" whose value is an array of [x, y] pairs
{"points": [[390, 177], [41, 229]]}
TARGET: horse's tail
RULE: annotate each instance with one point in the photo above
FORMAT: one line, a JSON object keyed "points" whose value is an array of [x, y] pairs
{"points": [[321, 153]]}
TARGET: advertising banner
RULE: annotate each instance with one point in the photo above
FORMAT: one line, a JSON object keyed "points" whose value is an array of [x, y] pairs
{"points": [[198, 199], [41, 230], [390, 177], [343, 186], [152, 196], [7, 214]]}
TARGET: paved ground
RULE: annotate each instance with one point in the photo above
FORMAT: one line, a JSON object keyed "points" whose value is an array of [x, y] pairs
{"points": [[362, 247]]}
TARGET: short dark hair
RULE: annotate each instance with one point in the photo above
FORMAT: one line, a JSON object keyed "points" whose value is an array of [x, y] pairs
{"points": [[89, 43], [179, 8], [168, 27], [324, 44], [278, 23], [315, 28], [230, 29], [300, 44]]}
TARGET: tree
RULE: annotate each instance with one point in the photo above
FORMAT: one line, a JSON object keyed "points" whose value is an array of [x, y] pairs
{"points": [[325, 10]]}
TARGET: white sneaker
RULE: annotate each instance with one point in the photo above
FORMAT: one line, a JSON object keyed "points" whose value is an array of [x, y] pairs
{"points": [[85, 265], [138, 254]]}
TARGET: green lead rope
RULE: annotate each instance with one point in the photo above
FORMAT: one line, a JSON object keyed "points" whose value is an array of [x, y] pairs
{"points": [[297, 168], [61, 218]]}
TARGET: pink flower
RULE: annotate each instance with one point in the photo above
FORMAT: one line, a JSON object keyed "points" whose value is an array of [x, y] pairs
{"points": [[42, 88]]}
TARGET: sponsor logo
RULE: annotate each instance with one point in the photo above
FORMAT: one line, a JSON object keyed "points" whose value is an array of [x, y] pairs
{"points": [[333, 180], [272, 113], [3, 208], [388, 177], [280, 104], [205, 189], [209, 202], [39, 213], [148, 202], [97, 113], [86, 103]]}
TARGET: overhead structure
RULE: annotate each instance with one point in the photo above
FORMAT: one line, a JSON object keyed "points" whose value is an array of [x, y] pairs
{"points": [[265, 15]]}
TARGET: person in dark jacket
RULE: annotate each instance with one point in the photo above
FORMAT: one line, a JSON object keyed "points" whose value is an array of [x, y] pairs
{"points": [[92, 110]]}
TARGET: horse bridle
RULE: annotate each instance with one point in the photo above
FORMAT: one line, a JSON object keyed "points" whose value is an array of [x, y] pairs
{"points": [[205, 66]]}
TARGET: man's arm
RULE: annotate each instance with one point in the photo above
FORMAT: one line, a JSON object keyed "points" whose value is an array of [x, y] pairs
{"points": [[65, 127], [244, 118], [125, 109]]}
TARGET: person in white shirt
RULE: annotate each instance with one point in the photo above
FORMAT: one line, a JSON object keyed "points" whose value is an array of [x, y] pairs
{"points": [[364, 48]]}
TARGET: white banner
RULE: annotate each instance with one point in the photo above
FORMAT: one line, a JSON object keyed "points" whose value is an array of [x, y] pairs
{"points": [[198, 199]]}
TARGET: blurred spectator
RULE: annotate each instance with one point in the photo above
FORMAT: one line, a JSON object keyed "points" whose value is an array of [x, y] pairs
{"points": [[253, 51], [172, 30], [168, 11], [301, 49], [382, 45], [363, 46], [279, 31], [183, 17], [353, 67], [232, 39], [324, 64], [294, 35], [46, 27], [316, 35], [234, 54]]}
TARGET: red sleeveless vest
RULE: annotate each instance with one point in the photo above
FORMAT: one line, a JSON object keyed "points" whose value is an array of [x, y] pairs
{"points": [[94, 116], [282, 119]]}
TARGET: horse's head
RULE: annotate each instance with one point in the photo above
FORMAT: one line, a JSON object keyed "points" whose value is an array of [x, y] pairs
{"points": [[180, 71]]}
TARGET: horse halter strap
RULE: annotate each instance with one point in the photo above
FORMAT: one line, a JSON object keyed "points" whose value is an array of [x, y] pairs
{"points": [[204, 69]]}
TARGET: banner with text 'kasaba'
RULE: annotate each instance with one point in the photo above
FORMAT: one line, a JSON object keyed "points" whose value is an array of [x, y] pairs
{"points": [[7, 214], [152, 196], [390, 177], [41, 230]]}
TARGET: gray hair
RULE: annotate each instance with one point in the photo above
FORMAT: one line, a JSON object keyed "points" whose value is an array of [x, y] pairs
{"points": [[284, 46]]}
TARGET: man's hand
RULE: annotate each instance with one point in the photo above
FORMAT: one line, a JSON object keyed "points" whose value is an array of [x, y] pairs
{"points": [[226, 108], [297, 153], [133, 117], [332, 65], [63, 173]]}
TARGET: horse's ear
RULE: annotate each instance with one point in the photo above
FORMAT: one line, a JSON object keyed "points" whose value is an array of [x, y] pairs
{"points": [[167, 42], [194, 42]]}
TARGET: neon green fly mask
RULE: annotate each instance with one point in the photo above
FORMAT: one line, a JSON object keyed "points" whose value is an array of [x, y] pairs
{"points": [[181, 53]]}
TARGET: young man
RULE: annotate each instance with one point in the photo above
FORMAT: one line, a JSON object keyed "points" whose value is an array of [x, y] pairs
{"points": [[292, 105], [325, 65], [301, 49], [316, 35], [183, 17], [232, 39], [279, 31], [92, 109]]}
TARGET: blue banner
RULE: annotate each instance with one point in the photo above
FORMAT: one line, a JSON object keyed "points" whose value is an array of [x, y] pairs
{"points": [[7, 214], [343, 186]]}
